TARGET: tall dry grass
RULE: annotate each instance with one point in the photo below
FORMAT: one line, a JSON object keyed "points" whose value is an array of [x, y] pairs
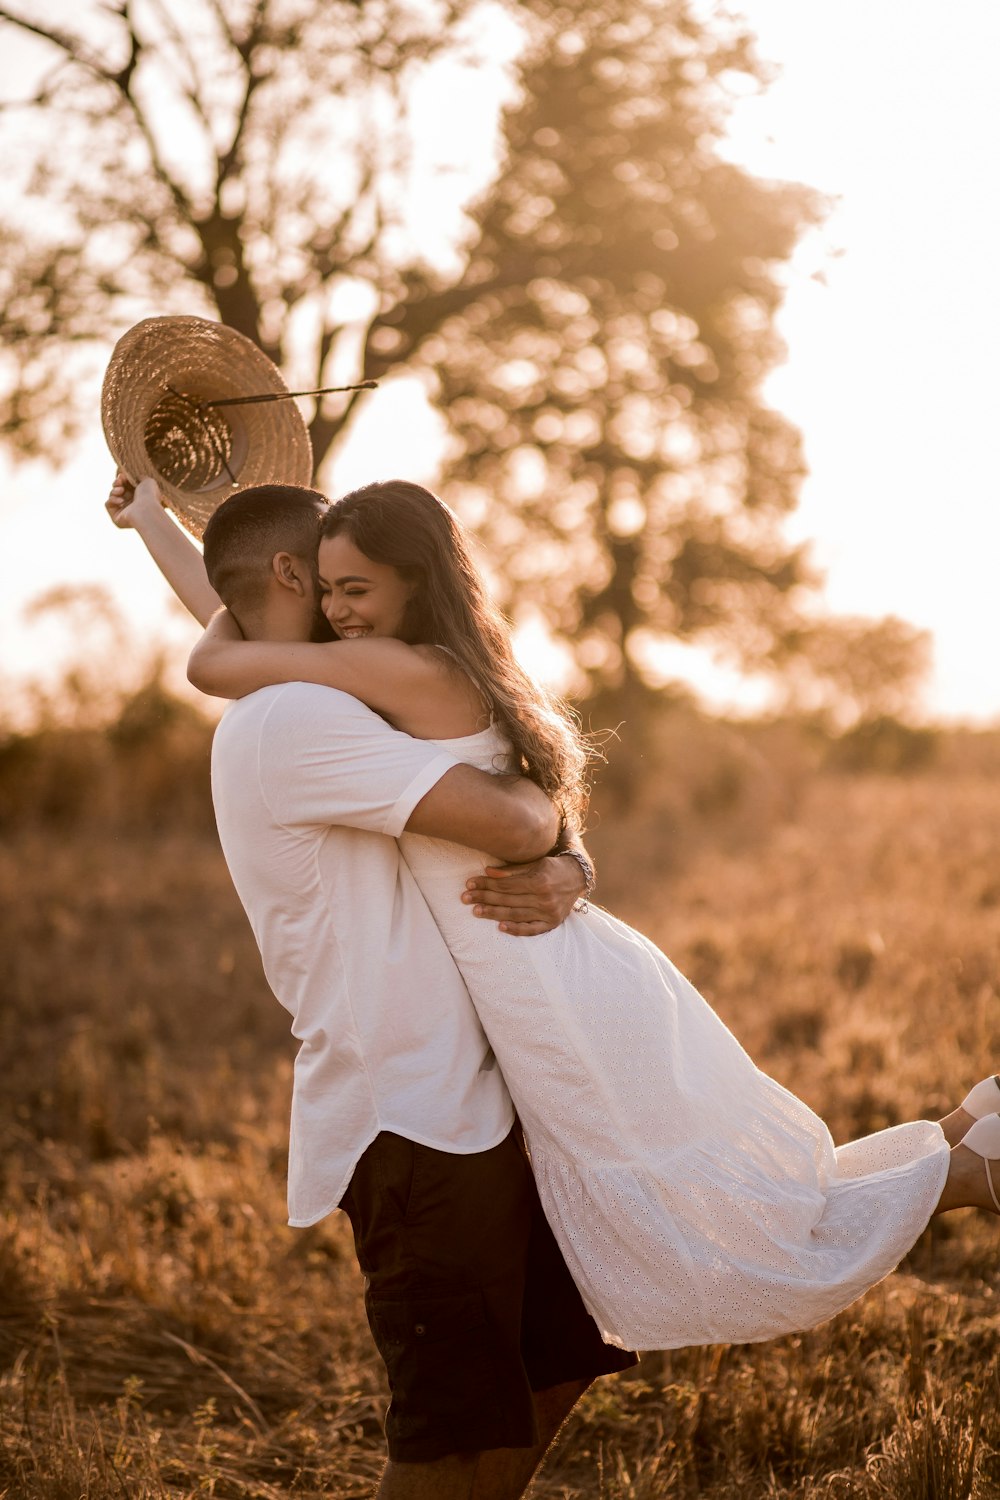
{"points": [[162, 1332]]}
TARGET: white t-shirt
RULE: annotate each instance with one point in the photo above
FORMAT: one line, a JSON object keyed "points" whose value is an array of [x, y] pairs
{"points": [[311, 789]]}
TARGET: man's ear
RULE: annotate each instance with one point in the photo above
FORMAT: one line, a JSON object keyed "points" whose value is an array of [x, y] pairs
{"points": [[291, 572]]}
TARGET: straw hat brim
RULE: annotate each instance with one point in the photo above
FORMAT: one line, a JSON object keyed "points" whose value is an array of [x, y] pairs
{"points": [[158, 420]]}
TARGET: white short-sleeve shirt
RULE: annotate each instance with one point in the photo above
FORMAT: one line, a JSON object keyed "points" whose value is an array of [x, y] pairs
{"points": [[311, 790]]}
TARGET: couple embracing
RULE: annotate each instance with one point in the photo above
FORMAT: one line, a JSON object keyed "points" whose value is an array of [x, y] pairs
{"points": [[671, 1193]]}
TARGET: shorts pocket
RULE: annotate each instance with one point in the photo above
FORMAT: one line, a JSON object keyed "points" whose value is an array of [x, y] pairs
{"points": [[445, 1372], [425, 1321]]}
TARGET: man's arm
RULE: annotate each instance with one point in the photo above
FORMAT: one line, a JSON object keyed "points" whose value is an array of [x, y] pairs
{"points": [[508, 815], [324, 757]]}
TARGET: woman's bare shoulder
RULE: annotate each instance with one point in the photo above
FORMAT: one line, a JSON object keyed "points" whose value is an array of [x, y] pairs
{"points": [[462, 692]]}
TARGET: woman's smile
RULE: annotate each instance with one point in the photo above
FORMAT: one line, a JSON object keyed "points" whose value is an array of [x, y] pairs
{"points": [[358, 596]]}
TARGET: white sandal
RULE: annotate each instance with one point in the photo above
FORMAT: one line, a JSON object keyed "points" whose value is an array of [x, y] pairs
{"points": [[983, 1100], [984, 1139]]}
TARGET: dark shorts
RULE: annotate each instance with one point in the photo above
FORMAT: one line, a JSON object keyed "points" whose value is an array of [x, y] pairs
{"points": [[468, 1297]]}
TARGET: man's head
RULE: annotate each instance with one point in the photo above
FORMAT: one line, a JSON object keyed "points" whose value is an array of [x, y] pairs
{"points": [[260, 556]]}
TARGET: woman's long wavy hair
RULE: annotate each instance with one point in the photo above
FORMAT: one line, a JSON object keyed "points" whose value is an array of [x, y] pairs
{"points": [[404, 525]]}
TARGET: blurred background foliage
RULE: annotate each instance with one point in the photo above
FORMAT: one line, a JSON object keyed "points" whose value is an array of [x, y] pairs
{"points": [[112, 741], [596, 332]]}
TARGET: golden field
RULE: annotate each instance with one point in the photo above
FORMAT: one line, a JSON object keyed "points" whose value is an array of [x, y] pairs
{"points": [[163, 1333]]}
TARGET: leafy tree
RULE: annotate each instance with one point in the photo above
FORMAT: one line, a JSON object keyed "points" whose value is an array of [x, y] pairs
{"points": [[604, 384], [844, 672], [597, 347], [243, 159]]}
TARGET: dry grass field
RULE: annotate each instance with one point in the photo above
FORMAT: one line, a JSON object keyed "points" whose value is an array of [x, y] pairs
{"points": [[162, 1333]]}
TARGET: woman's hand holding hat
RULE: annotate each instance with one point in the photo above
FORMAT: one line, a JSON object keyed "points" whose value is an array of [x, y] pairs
{"points": [[127, 502], [142, 508]]}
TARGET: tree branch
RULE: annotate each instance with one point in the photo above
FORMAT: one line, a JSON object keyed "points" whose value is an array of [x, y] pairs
{"points": [[193, 93], [223, 24], [124, 84], [120, 80], [230, 158], [72, 47]]}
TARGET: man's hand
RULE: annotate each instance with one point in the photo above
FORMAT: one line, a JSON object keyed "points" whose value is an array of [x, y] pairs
{"points": [[126, 502], [527, 899]]}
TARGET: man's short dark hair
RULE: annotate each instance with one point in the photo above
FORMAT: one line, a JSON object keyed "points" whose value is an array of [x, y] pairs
{"points": [[247, 530]]}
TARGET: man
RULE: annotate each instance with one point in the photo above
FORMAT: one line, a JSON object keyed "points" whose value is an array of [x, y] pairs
{"points": [[399, 1114]]}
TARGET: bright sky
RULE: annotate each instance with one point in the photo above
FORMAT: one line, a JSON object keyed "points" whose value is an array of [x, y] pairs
{"points": [[892, 371], [892, 322]]}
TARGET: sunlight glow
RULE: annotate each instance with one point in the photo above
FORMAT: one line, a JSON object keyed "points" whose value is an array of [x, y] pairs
{"points": [[892, 320]]}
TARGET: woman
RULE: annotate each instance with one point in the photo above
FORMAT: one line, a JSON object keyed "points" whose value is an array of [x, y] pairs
{"points": [[694, 1199]]}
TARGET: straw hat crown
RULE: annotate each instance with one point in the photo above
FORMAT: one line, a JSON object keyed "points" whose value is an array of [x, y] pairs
{"points": [[160, 417]]}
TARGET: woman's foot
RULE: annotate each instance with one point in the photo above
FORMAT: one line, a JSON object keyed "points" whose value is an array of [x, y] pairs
{"points": [[979, 1102], [974, 1169], [984, 1140]]}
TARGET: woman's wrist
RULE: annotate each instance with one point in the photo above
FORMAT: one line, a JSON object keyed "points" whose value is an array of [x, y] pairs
{"points": [[146, 512]]}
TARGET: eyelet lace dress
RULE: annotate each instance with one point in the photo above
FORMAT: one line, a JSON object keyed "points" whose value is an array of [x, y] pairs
{"points": [[695, 1200]]}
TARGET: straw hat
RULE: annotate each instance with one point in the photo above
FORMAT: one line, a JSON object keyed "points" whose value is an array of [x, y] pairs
{"points": [[174, 406]]}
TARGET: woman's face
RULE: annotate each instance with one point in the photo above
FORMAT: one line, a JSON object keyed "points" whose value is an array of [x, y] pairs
{"points": [[359, 597]]}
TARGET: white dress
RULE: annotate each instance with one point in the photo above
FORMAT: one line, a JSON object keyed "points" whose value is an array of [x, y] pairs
{"points": [[695, 1200]]}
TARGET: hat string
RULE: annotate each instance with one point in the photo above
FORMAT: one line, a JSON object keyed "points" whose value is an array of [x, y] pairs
{"points": [[196, 408], [326, 390]]}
